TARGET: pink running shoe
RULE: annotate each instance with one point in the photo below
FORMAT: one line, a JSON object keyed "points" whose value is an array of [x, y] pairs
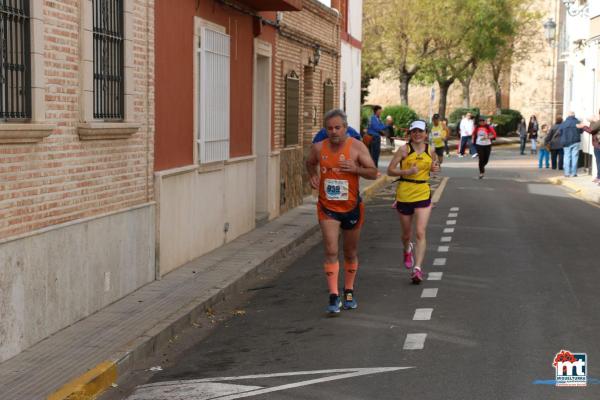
{"points": [[416, 275], [409, 256]]}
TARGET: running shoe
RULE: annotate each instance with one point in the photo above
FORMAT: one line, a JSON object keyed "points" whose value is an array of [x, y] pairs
{"points": [[480, 176], [335, 304], [416, 275], [349, 300], [409, 256], [474, 155]]}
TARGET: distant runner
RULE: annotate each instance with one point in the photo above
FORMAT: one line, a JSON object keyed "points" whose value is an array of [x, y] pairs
{"points": [[340, 160], [413, 164], [437, 137], [483, 134]]}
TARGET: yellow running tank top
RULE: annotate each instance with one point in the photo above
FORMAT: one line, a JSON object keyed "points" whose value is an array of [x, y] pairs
{"points": [[437, 135], [413, 188]]}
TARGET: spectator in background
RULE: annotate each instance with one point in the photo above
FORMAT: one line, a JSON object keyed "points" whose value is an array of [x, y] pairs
{"points": [[437, 137], [570, 139], [594, 130], [375, 129], [522, 129], [544, 150], [322, 134], [552, 139], [389, 130], [466, 130], [532, 130]]}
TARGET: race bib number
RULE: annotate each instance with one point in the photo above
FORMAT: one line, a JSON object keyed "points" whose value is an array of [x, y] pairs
{"points": [[336, 189]]}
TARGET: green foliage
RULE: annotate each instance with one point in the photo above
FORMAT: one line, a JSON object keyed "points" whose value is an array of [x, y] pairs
{"points": [[516, 117], [365, 115], [502, 124], [402, 115], [458, 113]]}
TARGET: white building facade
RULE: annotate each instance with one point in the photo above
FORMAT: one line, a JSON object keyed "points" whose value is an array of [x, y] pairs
{"points": [[579, 42], [351, 36]]}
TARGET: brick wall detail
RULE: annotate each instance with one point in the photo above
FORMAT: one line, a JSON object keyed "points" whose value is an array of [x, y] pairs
{"points": [[62, 178]]}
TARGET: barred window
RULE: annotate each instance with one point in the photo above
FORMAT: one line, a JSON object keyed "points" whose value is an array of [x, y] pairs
{"points": [[15, 68], [292, 108], [108, 60]]}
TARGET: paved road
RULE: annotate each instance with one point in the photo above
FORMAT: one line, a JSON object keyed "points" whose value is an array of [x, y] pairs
{"points": [[516, 281]]}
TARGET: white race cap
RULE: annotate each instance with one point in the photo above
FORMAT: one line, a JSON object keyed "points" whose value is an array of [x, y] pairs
{"points": [[418, 125]]}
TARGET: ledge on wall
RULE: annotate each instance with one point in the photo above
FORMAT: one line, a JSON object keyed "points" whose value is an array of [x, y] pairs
{"points": [[24, 132], [106, 130]]}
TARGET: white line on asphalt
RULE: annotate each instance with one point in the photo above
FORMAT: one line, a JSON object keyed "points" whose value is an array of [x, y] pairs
{"points": [[422, 314], [434, 276], [443, 249], [452, 215], [415, 341], [439, 261], [454, 209], [431, 292], [451, 222], [446, 238], [448, 230], [170, 388]]}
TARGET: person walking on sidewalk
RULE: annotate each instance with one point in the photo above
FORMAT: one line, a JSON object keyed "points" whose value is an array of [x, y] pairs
{"points": [[466, 129], [533, 129], [483, 134], [522, 129], [570, 139], [341, 161], [594, 130], [413, 164], [437, 137], [553, 140], [544, 157], [376, 128]]}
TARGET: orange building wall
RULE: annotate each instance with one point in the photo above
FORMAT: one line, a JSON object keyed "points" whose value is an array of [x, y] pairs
{"points": [[174, 72]]}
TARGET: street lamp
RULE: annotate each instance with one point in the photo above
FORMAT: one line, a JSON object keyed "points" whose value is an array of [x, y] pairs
{"points": [[550, 35], [574, 10], [550, 30]]}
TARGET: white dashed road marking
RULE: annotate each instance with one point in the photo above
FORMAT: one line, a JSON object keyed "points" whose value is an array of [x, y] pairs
{"points": [[448, 230], [451, 222], [446, 238], [454, 209], [452, 215], [422, 314], [434, 276], [443, 249], [432, 292], [415, 341], [439, 261]]}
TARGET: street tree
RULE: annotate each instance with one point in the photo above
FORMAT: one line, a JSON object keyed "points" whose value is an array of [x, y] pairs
{"points": [[517, 39], [397, 37]]}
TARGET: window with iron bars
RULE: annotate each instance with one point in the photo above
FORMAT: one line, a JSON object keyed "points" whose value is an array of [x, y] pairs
{"points": [[15, 61], [108, 60]]}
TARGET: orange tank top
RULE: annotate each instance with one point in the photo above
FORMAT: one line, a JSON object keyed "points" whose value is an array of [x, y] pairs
{"points": [[338, 191]]}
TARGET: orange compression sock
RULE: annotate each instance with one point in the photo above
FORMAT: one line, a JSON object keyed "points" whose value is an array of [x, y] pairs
{"points": [[332, 272], [350, 274]]}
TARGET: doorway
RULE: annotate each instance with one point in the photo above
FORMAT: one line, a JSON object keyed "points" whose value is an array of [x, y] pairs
{"points": [[262, 134]]}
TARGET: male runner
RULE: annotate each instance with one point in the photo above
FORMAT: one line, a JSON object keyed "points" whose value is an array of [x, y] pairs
{"points": [[334, 166]]}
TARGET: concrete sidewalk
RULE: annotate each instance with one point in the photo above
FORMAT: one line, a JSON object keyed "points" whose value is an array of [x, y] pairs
{"points": [[582, 185], [84, 359]]}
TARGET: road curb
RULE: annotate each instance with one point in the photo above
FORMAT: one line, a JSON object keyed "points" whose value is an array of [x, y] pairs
{"points": [[92, 383], [370, 191], [579, 191]]}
